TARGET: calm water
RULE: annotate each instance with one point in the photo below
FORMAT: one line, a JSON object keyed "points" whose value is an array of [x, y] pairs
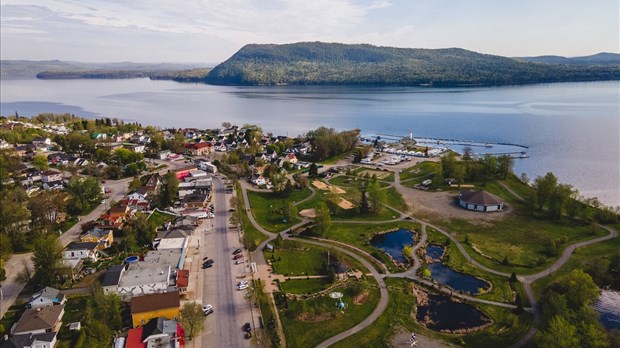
{"points": [[572, 129], [435, 252], [447, 315], [393, 243], [447, 276], [609, 307]]}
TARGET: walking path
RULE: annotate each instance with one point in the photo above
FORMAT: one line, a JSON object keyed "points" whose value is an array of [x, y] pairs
{"points": [[526, 280]]}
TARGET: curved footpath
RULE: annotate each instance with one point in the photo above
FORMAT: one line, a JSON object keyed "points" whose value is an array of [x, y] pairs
{"points": [[526, 280]]}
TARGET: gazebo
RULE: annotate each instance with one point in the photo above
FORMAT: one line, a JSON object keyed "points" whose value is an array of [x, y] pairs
{"points": [[480, 201]]}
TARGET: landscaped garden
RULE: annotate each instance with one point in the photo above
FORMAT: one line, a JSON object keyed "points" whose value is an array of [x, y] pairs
{"points": [[309, 322], [269, 208]]}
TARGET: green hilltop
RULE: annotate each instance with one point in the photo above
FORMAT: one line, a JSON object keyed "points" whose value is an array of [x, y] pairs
{"points": [[318, 63]]}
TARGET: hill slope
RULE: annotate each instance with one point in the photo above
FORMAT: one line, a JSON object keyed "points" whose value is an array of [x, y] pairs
{"points": [[603, 58], [317, 63]]}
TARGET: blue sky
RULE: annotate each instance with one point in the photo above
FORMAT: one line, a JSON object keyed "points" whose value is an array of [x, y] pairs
{"points": [[210, 31]]}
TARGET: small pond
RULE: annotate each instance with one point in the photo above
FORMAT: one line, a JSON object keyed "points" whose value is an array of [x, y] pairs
{"points": [[435, 252], [447, 276], [393, 243], [608, 305], [441, 314]]}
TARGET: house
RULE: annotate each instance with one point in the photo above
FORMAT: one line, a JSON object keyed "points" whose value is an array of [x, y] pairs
{"points": [[198, 149], [80, 251], [164, 154], [147, 307], [39, 320], [54, 185], [47, 297], [137, 148], [140, 194], [480, 201], [158, 332], [291, 158], [42, 142], [41, 340], [21, 149], [153, 183], [51, 176], [195, 200], [183, 172], [104, 238], [220, 146], [259, 181], [4, 144], [135, 204], [111, 279], [146, 277]]}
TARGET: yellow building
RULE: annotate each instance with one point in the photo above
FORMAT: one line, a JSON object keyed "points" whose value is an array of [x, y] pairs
{"points": [[105, 238], [147, 307]]}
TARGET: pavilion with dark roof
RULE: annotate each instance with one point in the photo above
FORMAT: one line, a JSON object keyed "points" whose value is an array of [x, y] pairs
{"points": [[480, 201]]}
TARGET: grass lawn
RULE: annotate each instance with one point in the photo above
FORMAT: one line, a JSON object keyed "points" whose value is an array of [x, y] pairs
{"points": [[305, 286], [75, 309], [420, 172], [323, 319], [298, 259], [394, 199], [160, 218], [253, 237], [506, 328], [581, 258], [266, 208], [345, 181]]}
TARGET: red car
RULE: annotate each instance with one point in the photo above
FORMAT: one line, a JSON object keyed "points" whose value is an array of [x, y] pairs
{"points": [[238, 256]]}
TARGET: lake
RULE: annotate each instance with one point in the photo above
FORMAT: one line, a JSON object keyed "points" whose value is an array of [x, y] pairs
{"points": [[571, 129], [392, 243]]}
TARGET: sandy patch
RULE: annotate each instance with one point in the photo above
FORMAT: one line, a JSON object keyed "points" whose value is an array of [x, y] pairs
{"points": [[344, 204], [361, 298], [308, 213], [380, 175], [402, 339], [323, 186], [439, 206]]}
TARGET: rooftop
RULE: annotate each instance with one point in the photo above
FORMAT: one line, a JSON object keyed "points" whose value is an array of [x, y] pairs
{"points": [[138, 275], [39, 319], [481, 197], [152, 302]]}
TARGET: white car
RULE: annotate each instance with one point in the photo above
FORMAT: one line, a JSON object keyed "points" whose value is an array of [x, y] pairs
{"points": [[243, 282], [208, 309], [242, 286]]}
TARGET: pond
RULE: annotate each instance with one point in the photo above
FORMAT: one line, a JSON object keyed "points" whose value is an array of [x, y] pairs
{"points": [[441, 314], [447, 276], [393, 243], [608, 305]]}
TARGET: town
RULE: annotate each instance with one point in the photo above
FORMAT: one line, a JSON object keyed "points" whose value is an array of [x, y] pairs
{"points": [[118, 234]]}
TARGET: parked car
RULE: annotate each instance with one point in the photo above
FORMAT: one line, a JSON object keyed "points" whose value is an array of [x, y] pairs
{"points": [[237, 251], [205, 258], [238, 256], [208, 309], [247, 327], [242, 286], [238, 262], [209, 261], [243, 282], [207, 265]]}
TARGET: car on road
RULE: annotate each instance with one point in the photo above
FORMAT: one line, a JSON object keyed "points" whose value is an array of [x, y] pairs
{"points": [[247, 327], [209, 262], [237, 251], [238, 256], [242, 286], [208, 309], [238, 262], [205, 258], [243, 282]]}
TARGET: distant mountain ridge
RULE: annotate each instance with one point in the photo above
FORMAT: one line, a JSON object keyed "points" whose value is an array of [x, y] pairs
{"points": [[318, 63], [27, 69], [603, 58]]}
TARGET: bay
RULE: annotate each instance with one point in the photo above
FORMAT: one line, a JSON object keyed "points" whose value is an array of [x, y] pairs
{"points": [[572, 129]]}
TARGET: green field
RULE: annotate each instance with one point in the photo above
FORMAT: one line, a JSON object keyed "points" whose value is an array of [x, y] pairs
{"points": [[267, 206], [323, 319], [253, 237], [346, 181], [305, 286], [419, 172], [296, 258], [159, 218]]}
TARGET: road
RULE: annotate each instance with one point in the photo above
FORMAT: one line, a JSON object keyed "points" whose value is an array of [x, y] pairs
{"points": [[223, 328]]}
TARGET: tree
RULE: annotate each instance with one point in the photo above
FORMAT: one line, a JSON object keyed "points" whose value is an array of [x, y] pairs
{"points": [[40, 162], [313, 171], [544, 186], [15, 216], [376, 196], [559, 199], [169, 190], [47, 207], [468, 152], [560, 333], [192, 319], [364, 205], [84, 193], [47, 260], [278, 180], [322, 220], [505, 164], [290, 211], [134, 184], [142, 229]]}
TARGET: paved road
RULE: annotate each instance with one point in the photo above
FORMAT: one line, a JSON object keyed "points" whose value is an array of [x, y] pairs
{"points": [[231, 311]]}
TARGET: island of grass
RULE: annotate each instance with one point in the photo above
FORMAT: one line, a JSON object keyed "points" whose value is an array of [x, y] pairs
{"points": [[269, 208], [253, 237]]}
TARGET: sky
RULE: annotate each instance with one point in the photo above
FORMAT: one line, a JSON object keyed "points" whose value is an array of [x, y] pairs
{"points": [[209, 31]]}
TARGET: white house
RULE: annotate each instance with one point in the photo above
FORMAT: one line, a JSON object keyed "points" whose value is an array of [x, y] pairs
{"points": [[82, 250], [139, 194], [51, 176], [259, 181], [41, 340], [480, 201], [39, 320], [164, 154], [143, 280], [47, 297]]}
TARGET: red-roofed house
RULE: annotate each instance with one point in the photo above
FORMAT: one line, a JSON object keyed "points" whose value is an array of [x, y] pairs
{"points": [[182, 280], [198, 149]]}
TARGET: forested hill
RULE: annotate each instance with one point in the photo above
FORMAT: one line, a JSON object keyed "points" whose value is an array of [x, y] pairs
{"points": [[317, 63], [603, 58]]}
